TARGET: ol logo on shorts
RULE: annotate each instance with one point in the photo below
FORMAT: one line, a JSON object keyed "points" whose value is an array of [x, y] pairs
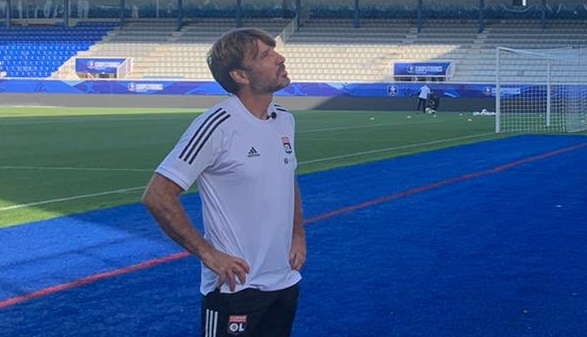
{"points": [[237, 324]]}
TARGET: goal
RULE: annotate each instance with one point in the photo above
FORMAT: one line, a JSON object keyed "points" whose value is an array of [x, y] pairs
{"points": [[541, 90]]}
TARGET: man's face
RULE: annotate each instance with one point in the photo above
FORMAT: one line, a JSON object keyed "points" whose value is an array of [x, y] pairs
{"points": [[266, 71]]}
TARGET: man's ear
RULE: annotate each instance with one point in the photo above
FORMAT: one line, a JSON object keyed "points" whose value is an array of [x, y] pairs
{"points": [[239, 76]]}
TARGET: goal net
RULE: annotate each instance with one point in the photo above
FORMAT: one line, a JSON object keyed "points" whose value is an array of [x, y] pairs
{"points": [[541, 90]]}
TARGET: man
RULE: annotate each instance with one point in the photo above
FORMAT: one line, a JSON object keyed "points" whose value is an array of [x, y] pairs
{"points": [[433, 103], [47, 9], [241, 154], [83, 8], [423, 98]]}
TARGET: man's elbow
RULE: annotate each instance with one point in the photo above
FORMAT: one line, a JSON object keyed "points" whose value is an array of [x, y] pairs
{"points": [[149, 198], [160, 193], [151, 192]]}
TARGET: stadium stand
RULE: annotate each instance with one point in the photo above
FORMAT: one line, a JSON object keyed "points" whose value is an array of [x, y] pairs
{"points": [[184, 55], [38, 51], [328, 46], [333, 50], [160, 51], [135, 40], [479, 63]]}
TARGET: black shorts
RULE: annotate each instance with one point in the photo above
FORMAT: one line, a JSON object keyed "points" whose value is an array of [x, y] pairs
{"points": [[249, 313]]}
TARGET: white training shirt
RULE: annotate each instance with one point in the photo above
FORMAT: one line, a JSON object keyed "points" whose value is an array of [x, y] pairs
{"points": [[245, 171], [424, 91]]}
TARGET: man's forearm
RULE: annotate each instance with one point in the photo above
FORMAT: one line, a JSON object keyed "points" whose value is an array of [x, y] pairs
{"points": [[170, 215], [179, 228], [298, 222]]}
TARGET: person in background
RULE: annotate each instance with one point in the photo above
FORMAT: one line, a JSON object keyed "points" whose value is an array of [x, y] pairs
{"points": [[83, 9], [242, 156], [47, 9], [433, 103], [135, 11], [423, 98]]}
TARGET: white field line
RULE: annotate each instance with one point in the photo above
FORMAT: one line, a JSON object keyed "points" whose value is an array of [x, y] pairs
{"points": [[394, 148], [75, 119], [8, 167], [49, 120], [65, 168], [366, 126], [75, 197], [44, 202]]}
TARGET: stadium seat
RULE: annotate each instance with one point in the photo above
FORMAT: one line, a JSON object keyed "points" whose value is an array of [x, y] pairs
{"points": [[41, 50]]}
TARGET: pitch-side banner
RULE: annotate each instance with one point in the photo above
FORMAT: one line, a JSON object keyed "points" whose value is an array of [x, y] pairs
{"points": [[296, 89], [432, 69], [98, 65]]}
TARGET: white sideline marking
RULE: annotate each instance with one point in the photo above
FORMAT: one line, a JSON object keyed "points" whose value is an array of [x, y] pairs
{"points": [[50, 120], [142, 187], [378, 125], [394, 148], [71, 168], [71, 198]]}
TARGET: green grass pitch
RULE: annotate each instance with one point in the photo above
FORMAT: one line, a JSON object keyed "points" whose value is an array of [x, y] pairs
{"points": [[59, 161]]}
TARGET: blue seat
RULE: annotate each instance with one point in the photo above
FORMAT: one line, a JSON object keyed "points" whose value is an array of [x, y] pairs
{"points": [[35, 51]]}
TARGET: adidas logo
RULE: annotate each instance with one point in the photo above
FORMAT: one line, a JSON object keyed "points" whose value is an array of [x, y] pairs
{"points": [[253, 153]]}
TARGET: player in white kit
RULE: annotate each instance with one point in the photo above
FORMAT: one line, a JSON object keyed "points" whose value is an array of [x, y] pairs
{"points": [[241, 154]]}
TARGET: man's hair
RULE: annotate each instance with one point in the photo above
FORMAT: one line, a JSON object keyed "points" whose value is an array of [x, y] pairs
{"points": [[230, 51]]}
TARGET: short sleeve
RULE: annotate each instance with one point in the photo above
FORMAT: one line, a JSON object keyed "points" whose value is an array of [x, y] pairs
{"points": [[195, 151]]}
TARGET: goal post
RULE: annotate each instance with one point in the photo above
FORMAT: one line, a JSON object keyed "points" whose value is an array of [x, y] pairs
{"points": [[541, 90]]}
